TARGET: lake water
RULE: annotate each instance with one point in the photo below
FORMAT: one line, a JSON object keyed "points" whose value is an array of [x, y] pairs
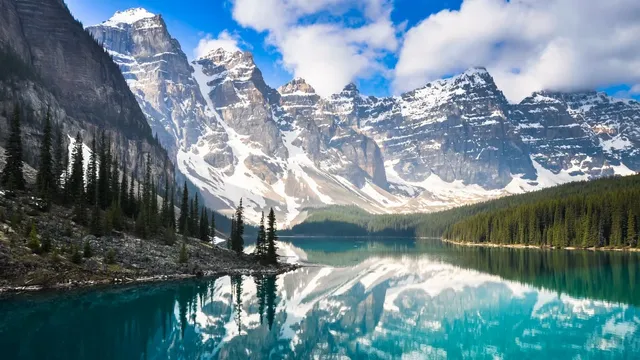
{"points": [[361, 299]]}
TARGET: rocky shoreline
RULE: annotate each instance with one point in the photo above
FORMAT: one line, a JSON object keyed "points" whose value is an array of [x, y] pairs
{"points": [[116, 258], [71, 285], [523, 246]]}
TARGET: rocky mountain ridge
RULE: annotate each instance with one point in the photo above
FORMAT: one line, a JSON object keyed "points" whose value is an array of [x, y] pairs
{"points": [[452, 142]]}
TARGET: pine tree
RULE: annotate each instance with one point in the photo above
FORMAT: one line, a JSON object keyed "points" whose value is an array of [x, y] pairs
{"points": [[45, 180], [237, 242], [261, 240], [76, 182], [272, 237], [153, 218], [12, 176], [190, 219], [124, 192], [172, 212], [131, 202], [632, 234], [232, 234], [184, 211], [146, 192], [115, 183], [92, 173], [616, 228], [103, 171], [59, 158], [165, 204], [204, 225], [195, 214]]}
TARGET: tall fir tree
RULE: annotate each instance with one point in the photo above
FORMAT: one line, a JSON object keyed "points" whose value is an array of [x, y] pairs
{"points": [[165, 204], [232, 234], [184, 211], [147, 192], [195, 216], [115, 182], [261, 240], [12, 176], [632, 233], [124, 191], [153, 218], [237, 242], [131, 202], [172, 211], [204, 225], [45, 179], [76, 181], [92, 173], [272, 237], [103, 171], [59, 159]]}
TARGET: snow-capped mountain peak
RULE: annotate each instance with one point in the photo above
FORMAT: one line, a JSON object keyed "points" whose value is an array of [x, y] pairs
{"points": [[128, 17]]}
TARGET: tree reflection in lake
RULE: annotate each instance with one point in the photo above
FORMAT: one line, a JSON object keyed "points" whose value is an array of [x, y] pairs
{"points": [[404, 299]]}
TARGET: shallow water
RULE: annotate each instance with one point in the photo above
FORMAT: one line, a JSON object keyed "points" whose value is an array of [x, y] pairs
{"points": [[359, 299]]}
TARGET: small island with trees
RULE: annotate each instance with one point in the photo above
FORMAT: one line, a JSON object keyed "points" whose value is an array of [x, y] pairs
{"points": [[77, 222]]}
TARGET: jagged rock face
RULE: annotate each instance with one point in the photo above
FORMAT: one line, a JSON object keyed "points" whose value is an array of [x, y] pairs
{"points": [[243, 100], [159, 74], [456, 129], [556, 139], [73, 76], [333, 144], [615, 122]]}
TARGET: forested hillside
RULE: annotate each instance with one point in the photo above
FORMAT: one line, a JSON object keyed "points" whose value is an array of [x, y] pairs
{"points": [[598, 213], [603, 213]]}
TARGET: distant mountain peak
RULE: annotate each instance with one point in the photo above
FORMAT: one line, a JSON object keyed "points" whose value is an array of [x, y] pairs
{"points": [[351, 87], [129, 16], [297, 85], [221, 55]]}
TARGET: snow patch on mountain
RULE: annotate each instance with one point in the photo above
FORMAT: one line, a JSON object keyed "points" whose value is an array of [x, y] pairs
{"points": [[128, 17]]}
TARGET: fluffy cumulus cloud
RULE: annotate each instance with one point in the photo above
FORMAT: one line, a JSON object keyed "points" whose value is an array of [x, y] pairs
{"points": [[527, 45], [319, 41], [224, 40]]}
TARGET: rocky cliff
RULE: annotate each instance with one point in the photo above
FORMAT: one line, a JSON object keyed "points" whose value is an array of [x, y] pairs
{"points": [[63, 68]]}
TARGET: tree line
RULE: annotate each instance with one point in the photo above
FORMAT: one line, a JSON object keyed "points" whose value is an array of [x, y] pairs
{"points": [[604, 214], [265, 250], [102, 185], [115, 199]]}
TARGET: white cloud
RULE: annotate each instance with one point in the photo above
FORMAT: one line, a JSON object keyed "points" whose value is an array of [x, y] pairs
{"points": [[325, 50], [224, 40], [527, 45]]}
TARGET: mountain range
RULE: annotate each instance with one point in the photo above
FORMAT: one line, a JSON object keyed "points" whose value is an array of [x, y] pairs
{"points": [[451, 142]]}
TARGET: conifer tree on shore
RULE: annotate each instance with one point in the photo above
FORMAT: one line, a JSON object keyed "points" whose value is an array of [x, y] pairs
{"points": [[271, 254], [45, 179], [12, 176]]}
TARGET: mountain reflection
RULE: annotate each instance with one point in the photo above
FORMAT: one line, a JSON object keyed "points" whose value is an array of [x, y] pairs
{"points": [[441, 302]]}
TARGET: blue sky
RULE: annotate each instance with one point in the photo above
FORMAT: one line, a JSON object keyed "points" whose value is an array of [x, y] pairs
{"points": [[390, 46]]}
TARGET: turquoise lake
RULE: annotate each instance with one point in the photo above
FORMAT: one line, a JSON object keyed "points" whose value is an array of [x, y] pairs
{"points": [[356, 299]]}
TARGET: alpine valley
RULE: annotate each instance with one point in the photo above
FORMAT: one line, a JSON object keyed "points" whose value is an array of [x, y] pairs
{"points": [[451, 142]]}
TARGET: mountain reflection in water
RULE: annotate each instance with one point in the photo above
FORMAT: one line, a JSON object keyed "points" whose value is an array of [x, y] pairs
{"points": [[374, 299]]}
